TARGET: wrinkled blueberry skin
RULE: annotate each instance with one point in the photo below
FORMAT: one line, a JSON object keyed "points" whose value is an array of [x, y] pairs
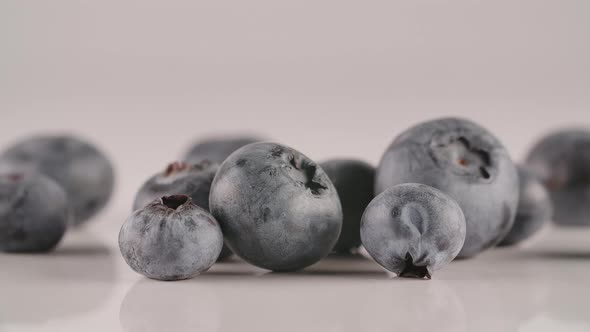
{"points": [[216, 149], [413, 230], [33, 213], [171, 239], [561, 161], [466, 162], [355, 183], [277, 208], [184, 179], [534, 209], [81, 169]]}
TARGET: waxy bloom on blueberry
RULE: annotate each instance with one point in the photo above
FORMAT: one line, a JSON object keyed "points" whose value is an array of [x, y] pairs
{"points": [[534, 209], [171, 239], [413, 230], [193, 180], [216, 149], [466, 162], [80, 168], [34, 213], [355, 183], [277, 208], [561, 161]]}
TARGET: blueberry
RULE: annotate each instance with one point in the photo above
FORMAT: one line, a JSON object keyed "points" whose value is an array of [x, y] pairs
{"points": [[80, 168], [464, 161], [216, 149], [33, 213], [181, 178], [277, 208], [413, 230], [561, 161], [171, 239], [193, 180], [534, 209], [152, 306], [225, 254], [354, 181]]}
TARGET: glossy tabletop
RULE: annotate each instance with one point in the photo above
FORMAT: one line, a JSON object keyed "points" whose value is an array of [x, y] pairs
{"points": [[86, 286]]}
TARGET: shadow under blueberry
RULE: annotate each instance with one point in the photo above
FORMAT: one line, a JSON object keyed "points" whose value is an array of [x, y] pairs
{"points": [[557, 255], [346, 257], [87, 251], [74, 279], [340, 267]]}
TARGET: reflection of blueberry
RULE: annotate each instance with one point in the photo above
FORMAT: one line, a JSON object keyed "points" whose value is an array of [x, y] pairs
{"points": [[216, 149], [33, 213], [354, 180], [413, 230], [152, 306], [561, 161], [80, 274], [464, 161], [171, 239], [435, 300], [181, 179], [277, 208], [534, 209], [82, 170]]}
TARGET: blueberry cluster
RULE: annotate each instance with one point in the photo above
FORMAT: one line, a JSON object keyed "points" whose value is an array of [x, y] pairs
{"points": [[48, 183], [171, 235], [444, 189]]}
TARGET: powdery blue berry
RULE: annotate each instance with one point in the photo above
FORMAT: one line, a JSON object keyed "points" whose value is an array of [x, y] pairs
{"points": [[355, 183], [277, 208], [466, 162], [561, 161], [193, 180], [33, 213], [534, 209], [216, 149], [80, 168], [171, 239], [413, 230]]}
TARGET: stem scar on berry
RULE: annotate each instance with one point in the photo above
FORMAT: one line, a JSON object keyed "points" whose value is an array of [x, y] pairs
{"points": [[175, 201]]}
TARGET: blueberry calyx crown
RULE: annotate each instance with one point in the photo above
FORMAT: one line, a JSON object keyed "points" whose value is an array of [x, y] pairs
{"points": [[175, 167], [309, 171], [179, 166], [15, 177], [463, 156], [175, 201], [414, 271]]}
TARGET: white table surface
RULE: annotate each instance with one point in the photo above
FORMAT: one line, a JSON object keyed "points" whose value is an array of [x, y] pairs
{"points": [[86, 286]]}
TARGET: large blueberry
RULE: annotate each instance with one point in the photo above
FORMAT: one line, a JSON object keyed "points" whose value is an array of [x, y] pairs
{"points": [[413, 230], [216, 149], [80, 168], [355, 183], [464, 161], [277, 208], [33, 213], [184, 179], [561, 161], [171, 239], [534, 209]]}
